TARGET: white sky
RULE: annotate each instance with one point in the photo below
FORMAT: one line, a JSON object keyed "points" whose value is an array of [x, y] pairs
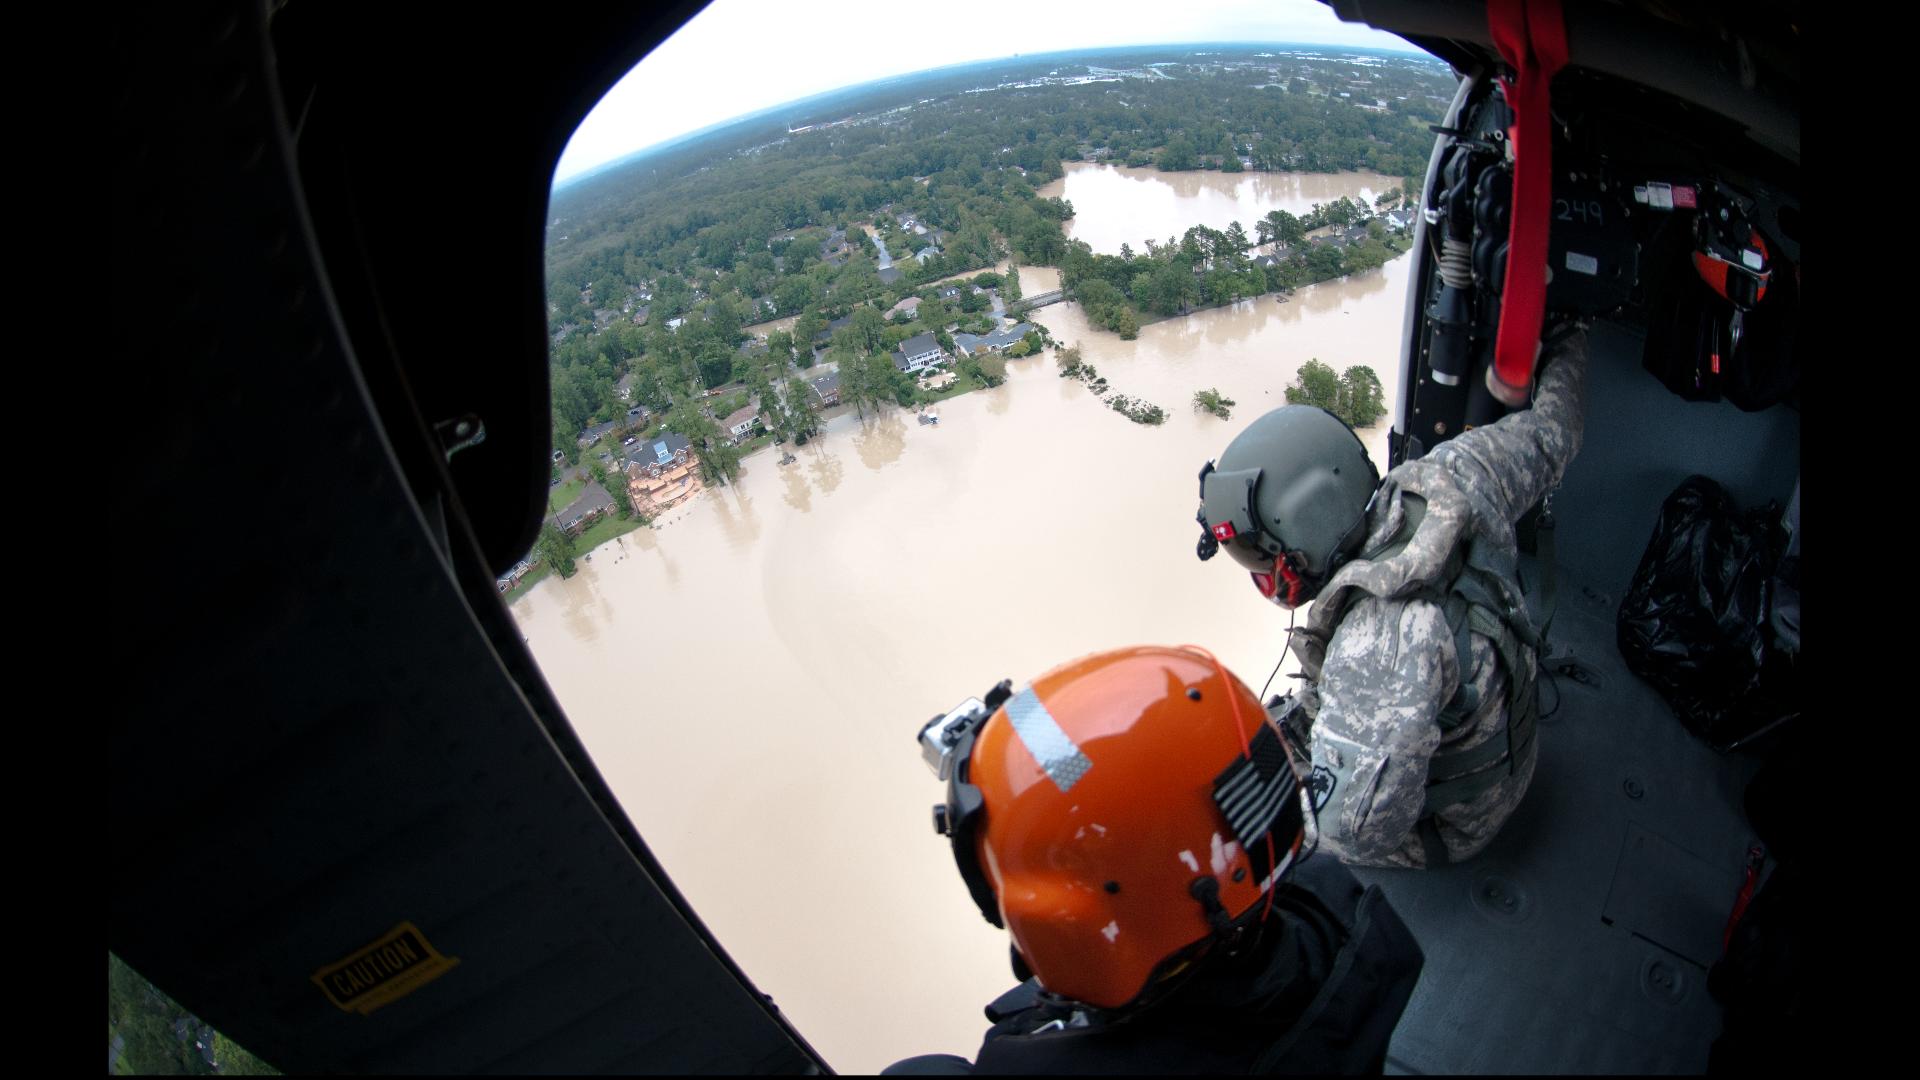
{"points": [[740, 56]]}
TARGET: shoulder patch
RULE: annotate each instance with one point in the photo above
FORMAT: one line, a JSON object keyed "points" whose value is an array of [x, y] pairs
{"points": [[1321, 784]]}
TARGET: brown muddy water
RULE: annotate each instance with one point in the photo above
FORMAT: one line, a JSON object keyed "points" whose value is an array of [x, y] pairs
{"points": [[750, 675], [1114, 204], [1033, 279]]}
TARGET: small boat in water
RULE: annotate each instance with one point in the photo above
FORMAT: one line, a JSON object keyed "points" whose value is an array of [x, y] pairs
{"points": [[930, 416]]}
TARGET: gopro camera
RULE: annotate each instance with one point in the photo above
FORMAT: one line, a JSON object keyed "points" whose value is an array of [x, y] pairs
{"points": [[943, 734], [943, 737]]}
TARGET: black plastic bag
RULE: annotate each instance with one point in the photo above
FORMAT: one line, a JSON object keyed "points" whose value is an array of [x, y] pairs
{"points": [[1697, 622]]}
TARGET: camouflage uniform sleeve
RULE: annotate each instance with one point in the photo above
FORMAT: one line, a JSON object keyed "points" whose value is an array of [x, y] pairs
{"points": [[1389, 669], [1512, 462]]}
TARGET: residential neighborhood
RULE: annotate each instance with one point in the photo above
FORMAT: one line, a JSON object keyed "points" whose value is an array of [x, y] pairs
{"points": [[753, 323], [657, 469]]}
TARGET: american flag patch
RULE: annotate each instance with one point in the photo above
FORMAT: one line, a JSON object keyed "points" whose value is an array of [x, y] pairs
{"points": [[1256, 789]]}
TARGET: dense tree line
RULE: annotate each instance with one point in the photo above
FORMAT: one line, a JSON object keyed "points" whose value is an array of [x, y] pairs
{"points": [[1208, 266]]}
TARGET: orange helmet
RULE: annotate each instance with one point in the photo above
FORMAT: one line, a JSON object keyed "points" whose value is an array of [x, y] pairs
{"points": [[1121, 814]]}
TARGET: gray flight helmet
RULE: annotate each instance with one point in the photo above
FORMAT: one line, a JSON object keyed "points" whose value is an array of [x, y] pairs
{"points": [[1298, 480]]}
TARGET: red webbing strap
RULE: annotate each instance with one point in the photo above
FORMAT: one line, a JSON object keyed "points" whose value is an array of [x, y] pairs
{"points": [[1756, 857], [1532, 37]]}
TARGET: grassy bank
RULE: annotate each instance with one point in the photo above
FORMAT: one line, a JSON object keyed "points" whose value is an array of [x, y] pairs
{"points": [[604, 530], [534, 577], [963, 384], [607, 528]]}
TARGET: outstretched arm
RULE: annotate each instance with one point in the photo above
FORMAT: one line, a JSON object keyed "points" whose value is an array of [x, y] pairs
{"points": [[1389, 669], [1512, 462]]}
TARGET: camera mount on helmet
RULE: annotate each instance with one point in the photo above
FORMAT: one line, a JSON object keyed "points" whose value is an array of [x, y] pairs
{"points": [[946, 742]]}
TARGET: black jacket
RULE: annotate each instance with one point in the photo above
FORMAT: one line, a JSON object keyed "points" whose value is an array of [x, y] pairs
{"points": [[1321, 993]]}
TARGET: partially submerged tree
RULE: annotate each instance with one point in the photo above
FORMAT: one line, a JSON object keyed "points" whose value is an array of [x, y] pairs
{"points": [[1212, 401], [1068, 357], [1362, 396], [1315, 384], [555, 548], [802, 418], [1356, 397]]}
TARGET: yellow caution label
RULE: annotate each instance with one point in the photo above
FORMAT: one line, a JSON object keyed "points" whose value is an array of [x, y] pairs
{"points": [[383, 972]]}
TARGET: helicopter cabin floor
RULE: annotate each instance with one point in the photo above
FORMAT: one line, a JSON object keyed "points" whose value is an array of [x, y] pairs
{"points": [[1580, 940]]}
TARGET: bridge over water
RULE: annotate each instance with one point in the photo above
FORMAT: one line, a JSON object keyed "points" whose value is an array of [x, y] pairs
{"points": [[1038, 300]]}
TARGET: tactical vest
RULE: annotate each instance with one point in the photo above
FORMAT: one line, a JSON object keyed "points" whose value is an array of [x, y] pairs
{"points": [[1477, 587]]}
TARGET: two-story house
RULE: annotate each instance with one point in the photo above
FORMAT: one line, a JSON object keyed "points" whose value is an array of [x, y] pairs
{"points": [[826, 389], [918, 352], [739, 424], [661, 452]]}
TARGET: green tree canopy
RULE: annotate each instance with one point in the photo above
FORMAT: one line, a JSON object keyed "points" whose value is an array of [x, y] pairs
{"points": [[802, 418], [1177, 155], [1362, 396], [1356, 396], [555, 548], [1315, 384]]}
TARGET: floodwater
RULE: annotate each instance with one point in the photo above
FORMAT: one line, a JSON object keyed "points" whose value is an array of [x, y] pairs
{"points": [[1038, 279], [1115, 205], [750, 675], [1033, 279], [768, 327]]}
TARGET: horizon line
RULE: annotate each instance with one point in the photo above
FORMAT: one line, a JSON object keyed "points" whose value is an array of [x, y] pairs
{"points": [[633, 156]]}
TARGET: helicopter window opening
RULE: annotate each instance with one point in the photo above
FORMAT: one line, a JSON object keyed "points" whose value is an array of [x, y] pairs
{"points": [[833, 451], [149, 1033]]}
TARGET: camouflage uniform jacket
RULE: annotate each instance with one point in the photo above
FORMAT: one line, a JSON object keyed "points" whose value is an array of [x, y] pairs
{"points": [[1380, 672]]}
